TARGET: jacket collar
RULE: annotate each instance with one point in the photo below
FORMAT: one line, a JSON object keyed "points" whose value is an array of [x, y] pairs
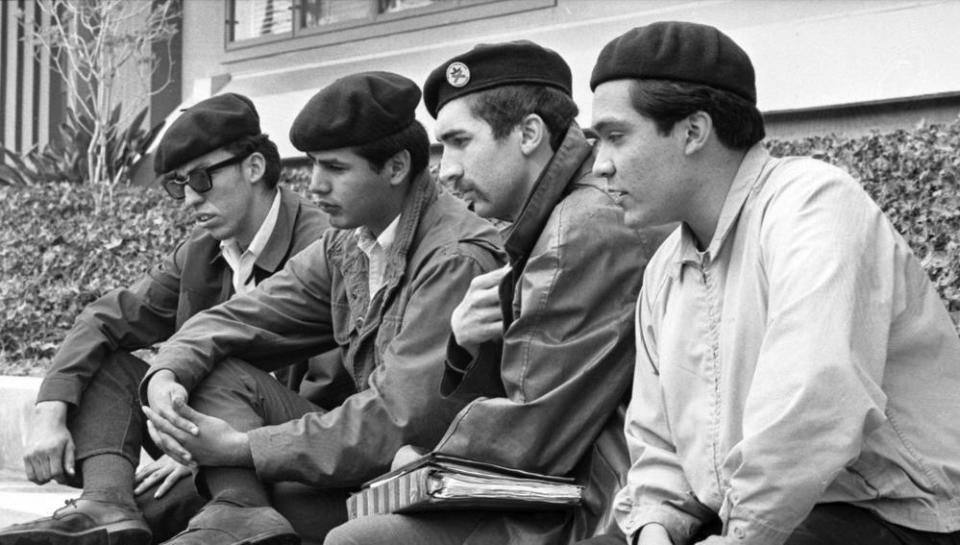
{"points": [[744, 182], [271, 258], [422, 192], [567, 165]]}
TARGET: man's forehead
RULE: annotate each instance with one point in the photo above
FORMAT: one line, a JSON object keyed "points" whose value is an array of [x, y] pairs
{"points": [[206, 159]]}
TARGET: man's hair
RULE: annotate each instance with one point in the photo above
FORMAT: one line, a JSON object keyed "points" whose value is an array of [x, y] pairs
{"points": [[503, 108], [414, 139], [261, 144], [737, 123]]}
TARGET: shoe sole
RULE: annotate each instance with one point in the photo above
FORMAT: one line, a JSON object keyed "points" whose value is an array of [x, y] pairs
{"points": [[121, 533]]}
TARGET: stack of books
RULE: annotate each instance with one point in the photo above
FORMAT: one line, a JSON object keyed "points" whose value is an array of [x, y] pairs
{"points": [[438, 481]]}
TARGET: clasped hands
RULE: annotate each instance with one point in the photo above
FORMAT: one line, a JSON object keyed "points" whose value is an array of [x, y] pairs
{"points": [[189, 436]]}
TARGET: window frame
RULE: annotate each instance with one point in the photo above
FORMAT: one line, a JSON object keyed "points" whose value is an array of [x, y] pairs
{"points": [[379, 25]]}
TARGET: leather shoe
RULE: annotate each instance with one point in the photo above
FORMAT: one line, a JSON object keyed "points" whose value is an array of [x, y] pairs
{"points": [[225, 522], [82, 522]]}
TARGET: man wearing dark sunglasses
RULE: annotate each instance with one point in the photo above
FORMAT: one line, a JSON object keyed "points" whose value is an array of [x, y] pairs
{"points": [[87, 426], [381, 288]]}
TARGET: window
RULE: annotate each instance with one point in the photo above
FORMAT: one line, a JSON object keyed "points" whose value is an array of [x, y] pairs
{"points": [[252, 22]]}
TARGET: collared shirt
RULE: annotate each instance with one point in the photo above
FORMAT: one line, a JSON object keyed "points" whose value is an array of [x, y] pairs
{"points": [[376, 251], [242, 263], [803, 358]]}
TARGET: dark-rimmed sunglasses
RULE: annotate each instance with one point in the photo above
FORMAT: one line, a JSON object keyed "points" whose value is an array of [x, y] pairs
{"points": [[199, 180]]}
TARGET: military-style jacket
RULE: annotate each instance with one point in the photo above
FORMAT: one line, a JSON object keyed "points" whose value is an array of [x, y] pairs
{"points": [[550, 397], [194, 277], [393, 346]]}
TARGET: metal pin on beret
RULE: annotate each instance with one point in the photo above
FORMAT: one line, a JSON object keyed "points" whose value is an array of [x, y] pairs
{"points": [[678, 51], [354, 110], [493, 65], [204, 127]]}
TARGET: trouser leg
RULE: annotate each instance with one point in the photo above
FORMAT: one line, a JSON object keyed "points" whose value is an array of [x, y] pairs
{"points": [[845, 524], [312, 512], [108, 419], [453, 528]]}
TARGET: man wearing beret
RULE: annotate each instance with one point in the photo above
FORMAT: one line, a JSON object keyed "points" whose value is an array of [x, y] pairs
{"points": [[381, 287], [87, 427], [543, 349], [797, 374]]}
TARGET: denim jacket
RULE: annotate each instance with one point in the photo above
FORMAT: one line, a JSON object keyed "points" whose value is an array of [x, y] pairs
{"points": [[804, 357], [549, 397], [393, 346]]}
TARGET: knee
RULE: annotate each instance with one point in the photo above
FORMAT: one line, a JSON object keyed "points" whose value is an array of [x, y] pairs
{"points": [[361, 531]]}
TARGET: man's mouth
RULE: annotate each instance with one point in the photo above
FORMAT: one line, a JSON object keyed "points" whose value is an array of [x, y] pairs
{"points": [[327, 207], [202, 218], [616, 194]]}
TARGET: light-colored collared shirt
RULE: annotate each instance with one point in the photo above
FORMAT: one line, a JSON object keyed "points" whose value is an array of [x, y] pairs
{"points": [[804, 358], [241, 263], [376, 252]]}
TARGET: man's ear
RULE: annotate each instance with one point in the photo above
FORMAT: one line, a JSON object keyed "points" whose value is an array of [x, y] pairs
{"points": [[695, 131], [533, 133], [398, 167], [255, 166]]}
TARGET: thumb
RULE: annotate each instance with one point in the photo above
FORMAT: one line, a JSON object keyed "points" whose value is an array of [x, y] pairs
{"points": [[69, 457]]}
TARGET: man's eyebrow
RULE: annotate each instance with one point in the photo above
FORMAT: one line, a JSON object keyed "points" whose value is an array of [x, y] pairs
{"points": [[446, 135], [604, 124]]}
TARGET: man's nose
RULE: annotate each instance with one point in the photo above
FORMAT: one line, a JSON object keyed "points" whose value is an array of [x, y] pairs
{"points": [[190, 197], [318, 182]]}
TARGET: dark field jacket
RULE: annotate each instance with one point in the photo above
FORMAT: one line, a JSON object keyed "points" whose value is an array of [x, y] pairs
{"points": [[393, 347]]}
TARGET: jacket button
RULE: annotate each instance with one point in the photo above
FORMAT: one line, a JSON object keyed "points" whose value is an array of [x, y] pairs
{"points": [[738, 532], [359, 323]]}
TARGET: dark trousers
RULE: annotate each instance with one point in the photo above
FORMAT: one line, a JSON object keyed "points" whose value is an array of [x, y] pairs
{"points": [[839, 524], [248, 398], [108, 420]]}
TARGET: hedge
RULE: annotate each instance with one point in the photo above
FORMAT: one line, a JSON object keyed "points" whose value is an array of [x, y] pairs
{"points": [[56, 255]]}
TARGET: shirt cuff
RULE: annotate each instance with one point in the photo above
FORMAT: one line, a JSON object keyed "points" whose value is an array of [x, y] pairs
{"points": [[680, 526], [60, 389], [741, 527]]}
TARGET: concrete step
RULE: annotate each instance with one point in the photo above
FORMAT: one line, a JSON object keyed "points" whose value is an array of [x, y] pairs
{"points": [[17, 396]]}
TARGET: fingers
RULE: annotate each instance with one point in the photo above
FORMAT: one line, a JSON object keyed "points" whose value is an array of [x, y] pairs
{"points": [[69, 458], [490, 279], [177, 473], [164, 435], [176, 418]]}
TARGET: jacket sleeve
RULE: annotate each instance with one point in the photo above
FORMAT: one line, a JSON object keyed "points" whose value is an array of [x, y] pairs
{"points": [[357, 440], [657, 490], [830, 256], [285, 320], [567, 357], [123, 319]]}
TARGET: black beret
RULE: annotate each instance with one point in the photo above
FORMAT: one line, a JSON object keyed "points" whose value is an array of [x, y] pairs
{"points": [[207, 125], [678, 51], [494, 65], [354, 110]]}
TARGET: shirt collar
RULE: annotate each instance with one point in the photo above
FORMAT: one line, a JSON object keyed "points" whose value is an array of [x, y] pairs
{"points": [[366, 241], [748, 174], [260, 239]]}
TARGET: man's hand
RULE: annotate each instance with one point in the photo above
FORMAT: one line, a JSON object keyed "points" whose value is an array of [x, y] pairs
{"points": [[405, 455], [164, 470], [654, 534], [164, 394], [216, 442], [50, 449], [477, 319]]}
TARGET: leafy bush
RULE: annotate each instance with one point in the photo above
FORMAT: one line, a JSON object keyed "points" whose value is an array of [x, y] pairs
{"points": [[57, 254], [915, 178]]}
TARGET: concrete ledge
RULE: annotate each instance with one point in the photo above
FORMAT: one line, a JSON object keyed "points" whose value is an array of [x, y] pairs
{"points": [[17, 396]]}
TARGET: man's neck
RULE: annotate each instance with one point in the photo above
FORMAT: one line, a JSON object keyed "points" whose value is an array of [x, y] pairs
{"points": [[715, 177], [258, 212]]}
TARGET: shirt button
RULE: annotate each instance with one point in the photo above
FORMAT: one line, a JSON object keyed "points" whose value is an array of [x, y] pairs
{"points": [[359, 323]]}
